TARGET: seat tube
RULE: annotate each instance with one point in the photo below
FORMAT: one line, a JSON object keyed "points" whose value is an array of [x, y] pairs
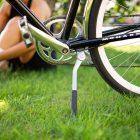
{"points": [[70, 19]]}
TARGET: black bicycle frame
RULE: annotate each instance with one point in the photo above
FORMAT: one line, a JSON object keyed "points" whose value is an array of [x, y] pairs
{"points": [[78, 43]]}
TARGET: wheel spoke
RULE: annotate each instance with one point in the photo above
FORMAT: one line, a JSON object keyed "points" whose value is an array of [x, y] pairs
{"points": [[125, 61], [130, 65], [135, 78]]}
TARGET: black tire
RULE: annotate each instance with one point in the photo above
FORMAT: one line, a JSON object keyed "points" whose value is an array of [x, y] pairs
{"points": [[95, 53]]}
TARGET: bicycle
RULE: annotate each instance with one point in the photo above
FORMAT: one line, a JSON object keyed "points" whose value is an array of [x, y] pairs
{"points": [[102, 27]]}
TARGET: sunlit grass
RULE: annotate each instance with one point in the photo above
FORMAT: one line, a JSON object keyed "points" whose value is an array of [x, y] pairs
{"points": [[37, 106], [3, 106]]}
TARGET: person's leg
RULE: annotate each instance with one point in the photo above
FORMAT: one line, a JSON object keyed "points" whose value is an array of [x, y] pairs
{"points": [[5, 42], [11, 35], [3, 64], [5, 10], [12, 45]]}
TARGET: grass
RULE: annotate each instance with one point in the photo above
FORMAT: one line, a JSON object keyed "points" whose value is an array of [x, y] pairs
{"points": [[36, 105]]}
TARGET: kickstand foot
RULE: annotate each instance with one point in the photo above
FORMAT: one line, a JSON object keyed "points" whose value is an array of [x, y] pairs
{"points": [[80, 58]]}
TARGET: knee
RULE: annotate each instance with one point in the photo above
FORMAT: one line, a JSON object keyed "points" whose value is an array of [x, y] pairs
{"points": [[13, 23]]}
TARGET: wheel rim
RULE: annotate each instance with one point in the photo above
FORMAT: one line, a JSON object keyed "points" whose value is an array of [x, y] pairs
{"points": [[115, 74]]}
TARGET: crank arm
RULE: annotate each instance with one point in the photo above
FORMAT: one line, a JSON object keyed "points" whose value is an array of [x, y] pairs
{"points": [[28, 31], [49, 40]]}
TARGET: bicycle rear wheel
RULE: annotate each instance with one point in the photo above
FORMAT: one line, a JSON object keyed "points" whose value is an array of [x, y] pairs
{"points": [[117, 62]]}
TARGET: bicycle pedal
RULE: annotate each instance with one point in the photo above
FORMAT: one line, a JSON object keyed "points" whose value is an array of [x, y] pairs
{"points": [[26, 34]]}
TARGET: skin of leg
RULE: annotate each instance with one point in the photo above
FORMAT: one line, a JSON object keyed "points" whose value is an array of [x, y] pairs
{"points": [[11, 43], [4, 14], [11, 37], [5, 11]]}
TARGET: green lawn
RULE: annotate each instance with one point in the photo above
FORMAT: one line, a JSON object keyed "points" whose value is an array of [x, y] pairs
{"points": [[36, 105]]}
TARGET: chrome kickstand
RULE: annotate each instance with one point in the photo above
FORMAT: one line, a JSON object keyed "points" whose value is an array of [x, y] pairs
{"points": [[80, 58]]}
